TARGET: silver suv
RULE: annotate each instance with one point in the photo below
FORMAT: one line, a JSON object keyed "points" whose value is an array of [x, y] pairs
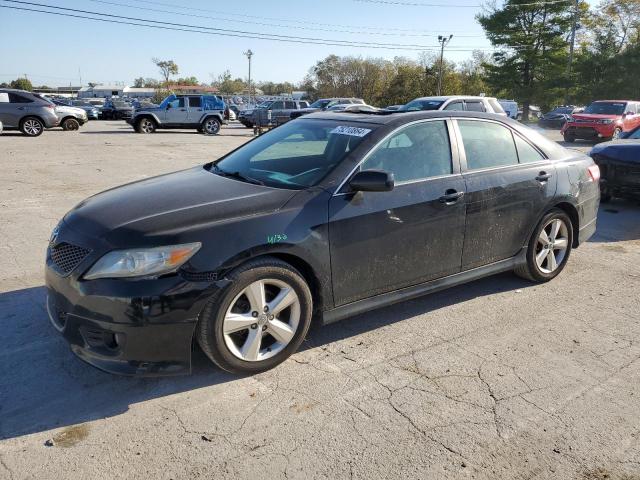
{"points": [[205, 113], [23, 110]]}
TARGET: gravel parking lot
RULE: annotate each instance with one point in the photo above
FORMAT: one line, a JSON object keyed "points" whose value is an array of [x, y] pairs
{"points": [[495, 379]]}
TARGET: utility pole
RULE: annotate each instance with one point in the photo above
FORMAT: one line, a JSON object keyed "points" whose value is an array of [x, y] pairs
{"points": [[249, 54], [443, 43], [571, 48]]}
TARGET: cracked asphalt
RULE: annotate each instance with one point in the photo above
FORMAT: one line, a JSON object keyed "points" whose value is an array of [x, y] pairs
{"points": [[494, 379]]}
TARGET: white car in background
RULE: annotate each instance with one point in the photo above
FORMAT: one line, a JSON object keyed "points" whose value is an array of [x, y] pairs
{"points": [[455, 102]]}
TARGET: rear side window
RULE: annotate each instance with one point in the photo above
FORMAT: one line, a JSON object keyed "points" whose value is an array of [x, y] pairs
{"points": [[15, 98], [195, 102], [289, 105], [277, 106], [416, 152], [474, 106], [4, 97], [487, 144], [526, 153], [455, 106]]}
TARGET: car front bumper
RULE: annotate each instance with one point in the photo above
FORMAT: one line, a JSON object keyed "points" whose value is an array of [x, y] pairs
{"points": [[588, 130], [128, 327]]}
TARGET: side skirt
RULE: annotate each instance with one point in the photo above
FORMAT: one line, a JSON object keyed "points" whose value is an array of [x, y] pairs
{"points": [[408, 293]]}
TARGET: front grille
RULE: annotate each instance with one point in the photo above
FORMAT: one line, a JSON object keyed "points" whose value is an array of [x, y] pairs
{"points": [[66, 256]]}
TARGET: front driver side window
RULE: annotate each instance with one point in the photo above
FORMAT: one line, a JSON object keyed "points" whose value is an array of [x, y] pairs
{"points": [[415, 152], [177, 103]]}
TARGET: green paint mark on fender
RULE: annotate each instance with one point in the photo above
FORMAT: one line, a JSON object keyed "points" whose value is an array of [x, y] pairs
{"points": [[280, 237]]}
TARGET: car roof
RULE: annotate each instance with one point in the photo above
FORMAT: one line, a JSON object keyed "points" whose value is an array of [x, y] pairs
{"points": [[14, 90], [395, 117], [444, 98], [617, 101]]}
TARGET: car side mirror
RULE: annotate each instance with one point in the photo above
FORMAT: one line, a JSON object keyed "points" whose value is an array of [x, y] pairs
{"points": [[629, 113], [372, 181]]}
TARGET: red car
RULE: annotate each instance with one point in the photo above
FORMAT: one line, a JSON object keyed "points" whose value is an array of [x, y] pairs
{"points": [[603, 120]]}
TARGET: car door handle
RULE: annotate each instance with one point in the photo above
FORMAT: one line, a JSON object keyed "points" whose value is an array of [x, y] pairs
{"points": [[183, 109], [543, 177], [450, 197], [20, 108]]}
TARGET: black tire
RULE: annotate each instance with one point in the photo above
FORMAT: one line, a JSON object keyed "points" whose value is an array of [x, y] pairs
{"points": [[145, 125], [569, 138], [530, 270], [70, 124], [31, 126], [605, 195], [210, 126], [209, 332]]}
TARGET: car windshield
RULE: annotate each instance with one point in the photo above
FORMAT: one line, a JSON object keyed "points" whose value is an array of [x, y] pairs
{"points": [[606, 108], [635, 134], [417, 105], [320, 104], [296, 155]]}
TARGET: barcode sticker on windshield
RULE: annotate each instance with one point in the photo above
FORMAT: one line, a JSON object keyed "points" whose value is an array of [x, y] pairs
{"points": [[353, 131]]}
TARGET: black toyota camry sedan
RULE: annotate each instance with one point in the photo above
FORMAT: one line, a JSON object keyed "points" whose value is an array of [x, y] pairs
{"points": [[323, 217]]}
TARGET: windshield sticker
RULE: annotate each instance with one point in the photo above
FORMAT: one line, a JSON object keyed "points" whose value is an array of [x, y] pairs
{"points": [[353, 131]]}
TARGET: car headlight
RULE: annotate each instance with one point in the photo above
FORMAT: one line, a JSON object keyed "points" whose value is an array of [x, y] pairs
{"points": [[606, 121], [142, 262]]}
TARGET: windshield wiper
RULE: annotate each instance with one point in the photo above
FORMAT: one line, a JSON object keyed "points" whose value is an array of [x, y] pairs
{"points": [[236, 175]]}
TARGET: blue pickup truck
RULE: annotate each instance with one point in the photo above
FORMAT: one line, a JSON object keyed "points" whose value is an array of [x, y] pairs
{"points": [[205, 113]]}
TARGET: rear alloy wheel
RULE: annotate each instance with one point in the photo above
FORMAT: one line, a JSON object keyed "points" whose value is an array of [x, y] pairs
{"points": [[549, 248], [569, 138], [145, 125], [70, 124], [211, 126], [32, 127], [259, 320]]}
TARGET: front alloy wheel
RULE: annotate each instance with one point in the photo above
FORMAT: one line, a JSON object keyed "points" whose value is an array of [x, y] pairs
{"points": [[259, 319], [70, 124], [211, 126], [146, 125]]}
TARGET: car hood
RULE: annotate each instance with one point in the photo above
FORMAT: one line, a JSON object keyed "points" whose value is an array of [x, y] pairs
{"points": [[148, 109], [555, 115], [625, 150], [308, 110], [171, 204], [593, 116]]}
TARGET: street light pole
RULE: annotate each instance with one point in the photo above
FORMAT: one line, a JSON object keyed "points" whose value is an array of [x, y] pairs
{"points": [[249, 54], [443, 43]]}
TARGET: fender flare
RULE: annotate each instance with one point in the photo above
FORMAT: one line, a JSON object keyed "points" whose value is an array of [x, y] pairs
{"points": [[153, 117]]}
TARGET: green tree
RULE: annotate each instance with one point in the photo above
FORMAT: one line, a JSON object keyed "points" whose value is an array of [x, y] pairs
{"points": [[167, 69], [531, 41], [22, 84], [188, 81]]}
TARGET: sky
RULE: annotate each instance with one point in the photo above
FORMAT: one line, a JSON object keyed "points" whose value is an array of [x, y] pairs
{"points": [[59, 51]]}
